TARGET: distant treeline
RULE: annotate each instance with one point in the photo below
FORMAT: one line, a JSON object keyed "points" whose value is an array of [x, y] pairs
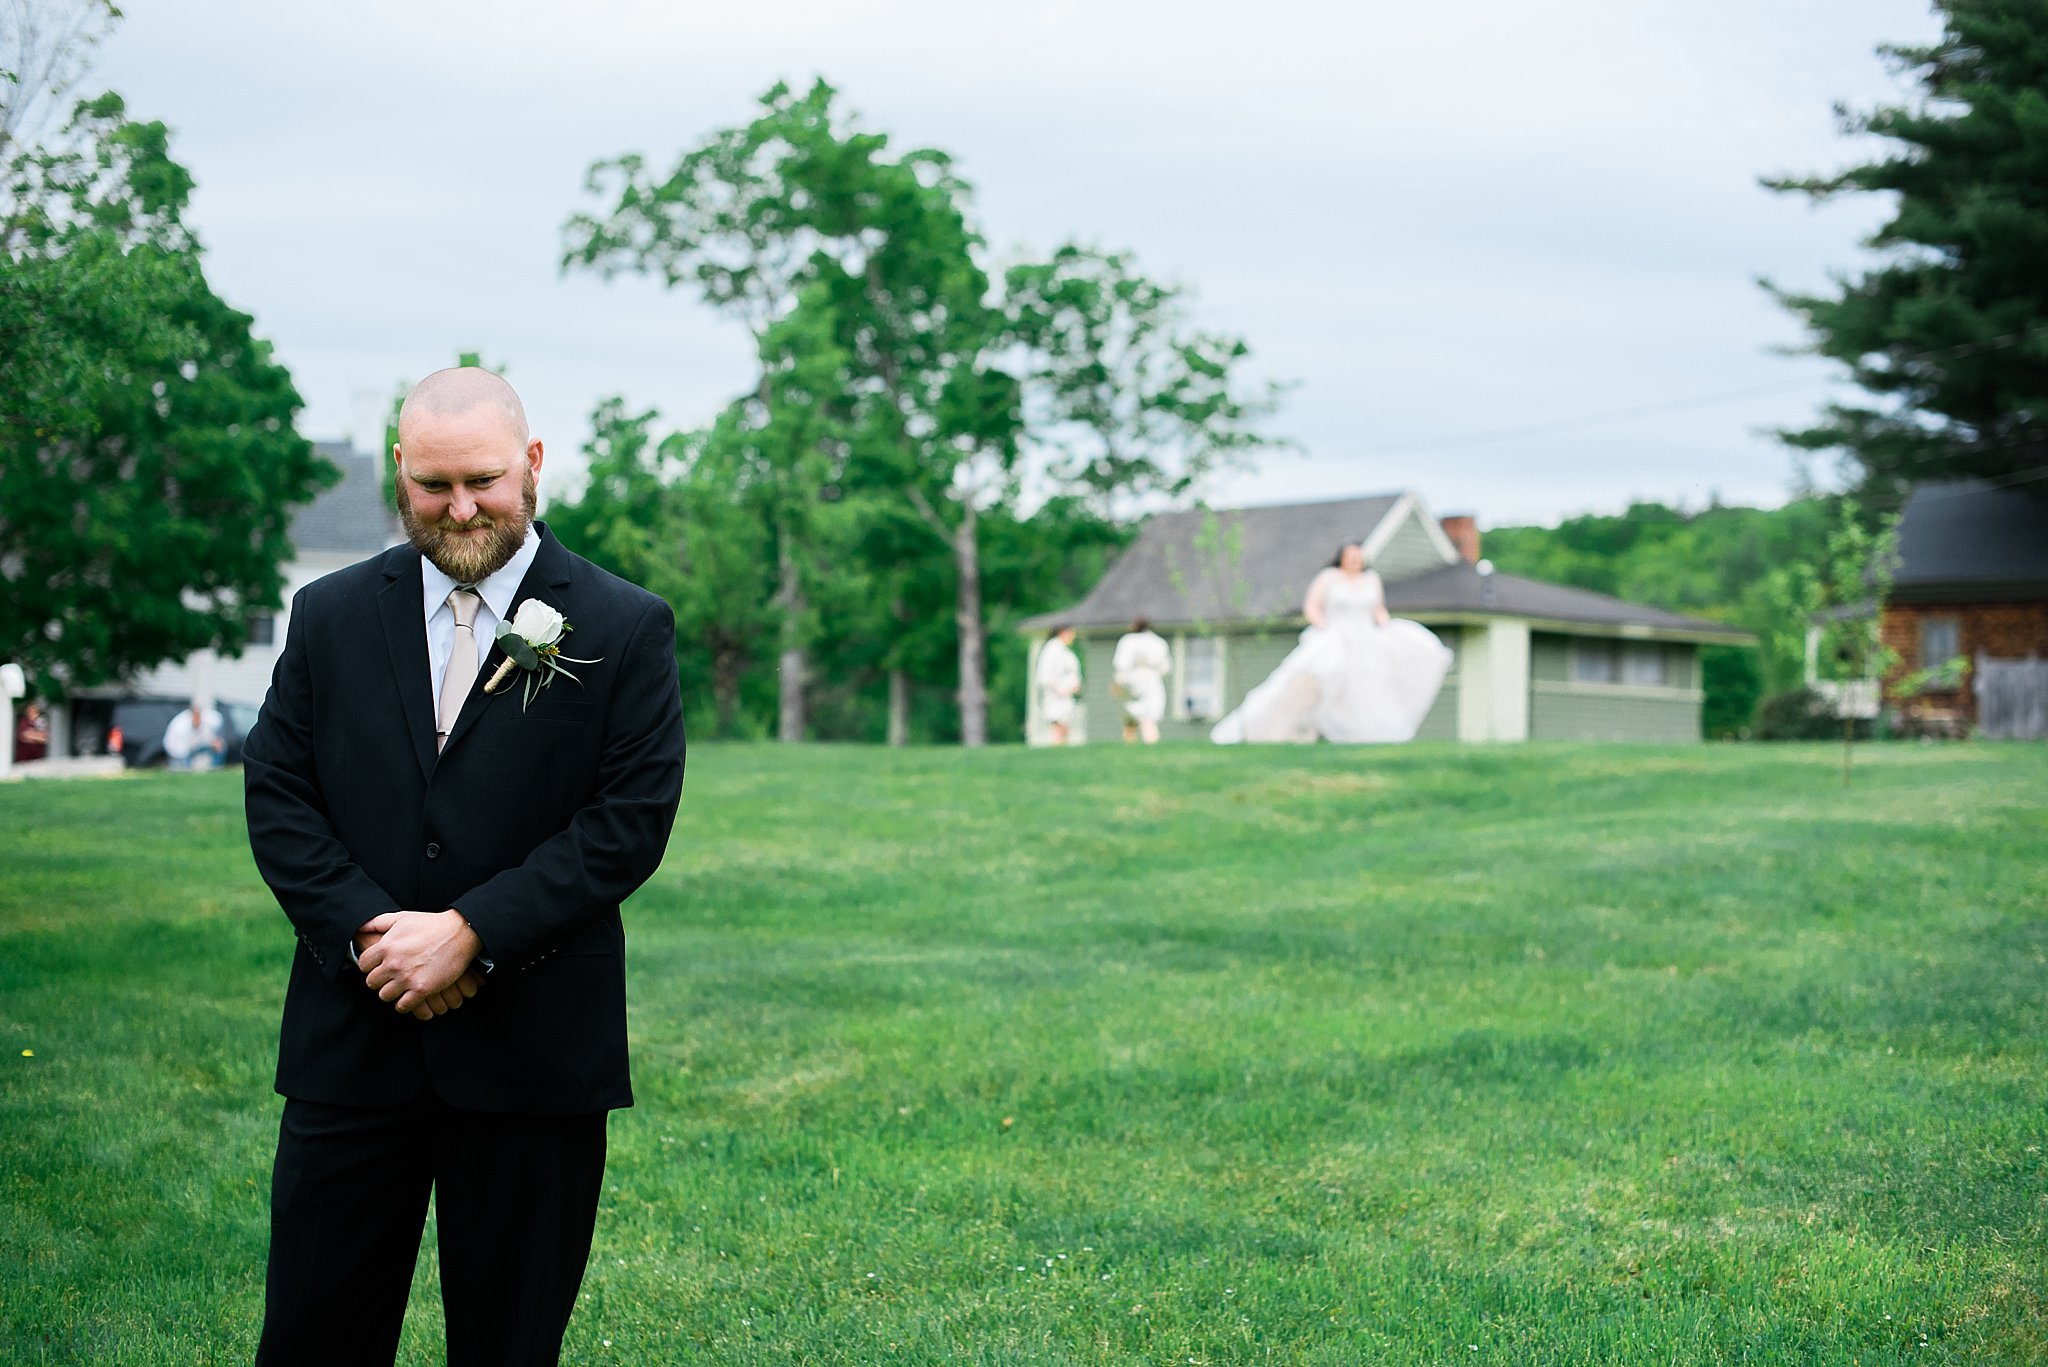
{"points": [[1743, 566]]}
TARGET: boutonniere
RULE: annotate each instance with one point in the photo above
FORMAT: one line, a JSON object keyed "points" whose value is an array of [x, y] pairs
{"points": [[532, 641]]}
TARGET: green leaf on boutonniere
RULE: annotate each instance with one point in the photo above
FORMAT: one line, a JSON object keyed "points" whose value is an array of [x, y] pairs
{"points": [[513, 644]]}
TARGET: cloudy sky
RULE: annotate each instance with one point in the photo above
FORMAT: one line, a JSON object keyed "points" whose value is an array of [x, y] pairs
{"points": [[1505, 251]]}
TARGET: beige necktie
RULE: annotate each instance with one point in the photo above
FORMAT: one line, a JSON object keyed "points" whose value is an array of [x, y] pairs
{"points": [[461, 675]]}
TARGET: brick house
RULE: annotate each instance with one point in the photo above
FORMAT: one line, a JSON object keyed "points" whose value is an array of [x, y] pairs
{"points": [[1972, 583]]}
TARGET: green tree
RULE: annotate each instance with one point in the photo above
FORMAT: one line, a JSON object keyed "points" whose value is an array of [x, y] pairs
{"points": [[670, 516], [1752, 568], [1036, 564], [765, 221], [1948, 332], [858, 268], [139, 416], [1856, 578], [1124, 399], [1733, 683], [852, 266]]}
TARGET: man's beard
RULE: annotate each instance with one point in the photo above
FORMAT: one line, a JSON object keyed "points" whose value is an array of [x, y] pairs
{"points": [[470, 560]]}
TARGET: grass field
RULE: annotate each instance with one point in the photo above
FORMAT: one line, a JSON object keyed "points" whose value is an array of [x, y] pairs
{"points": [[1542, 1055]]}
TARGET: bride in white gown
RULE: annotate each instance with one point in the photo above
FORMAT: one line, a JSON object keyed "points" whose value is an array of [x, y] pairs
{"points": [[1357, 676]]}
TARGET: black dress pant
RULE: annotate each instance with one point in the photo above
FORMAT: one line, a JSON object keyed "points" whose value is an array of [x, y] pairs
{"points": [[515, 1200]]}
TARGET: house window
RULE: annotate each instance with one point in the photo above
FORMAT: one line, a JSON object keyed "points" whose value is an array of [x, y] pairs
{"points": [[262, 628], [1644, 664], [1941, 640], [1596, 662], [1201, 678], [1639, 664]]}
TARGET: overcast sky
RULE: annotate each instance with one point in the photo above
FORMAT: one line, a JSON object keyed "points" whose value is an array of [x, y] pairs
{"points": [[1439, 221]]}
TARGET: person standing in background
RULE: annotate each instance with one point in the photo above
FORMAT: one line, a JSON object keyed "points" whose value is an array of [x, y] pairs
{"points": [[1139, 667], [1059, 680], [31, 734]]}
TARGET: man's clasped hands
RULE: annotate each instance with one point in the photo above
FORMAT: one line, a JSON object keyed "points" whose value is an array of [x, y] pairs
{"points": [[422, 962]]}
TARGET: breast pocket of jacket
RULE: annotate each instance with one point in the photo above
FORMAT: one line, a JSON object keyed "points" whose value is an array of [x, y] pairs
{"points": [[561, 711]]}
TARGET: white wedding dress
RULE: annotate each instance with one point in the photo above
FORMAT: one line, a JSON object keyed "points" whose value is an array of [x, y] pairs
{"points": [[1350, 680]]}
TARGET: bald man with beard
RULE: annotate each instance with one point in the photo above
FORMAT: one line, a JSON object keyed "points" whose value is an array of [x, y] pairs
{"points": [[452, 859]]}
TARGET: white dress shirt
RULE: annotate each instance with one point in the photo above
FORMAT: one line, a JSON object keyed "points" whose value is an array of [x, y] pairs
{"points": [[496, 607]]}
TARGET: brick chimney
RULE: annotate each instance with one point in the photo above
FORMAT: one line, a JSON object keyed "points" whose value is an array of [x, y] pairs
{"points": [[1463, 530]]}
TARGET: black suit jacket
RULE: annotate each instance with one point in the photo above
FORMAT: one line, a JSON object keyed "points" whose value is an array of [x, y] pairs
{"points": [[535, 824]]}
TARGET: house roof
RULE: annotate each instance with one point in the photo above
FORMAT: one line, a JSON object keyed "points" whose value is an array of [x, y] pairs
{"points": [[353, 516], [1224, 565], [1961, 533], [1254, 564], [1461, 589]]}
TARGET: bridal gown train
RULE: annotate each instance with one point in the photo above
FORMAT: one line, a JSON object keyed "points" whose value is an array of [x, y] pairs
{"points": [[1350, 680]]}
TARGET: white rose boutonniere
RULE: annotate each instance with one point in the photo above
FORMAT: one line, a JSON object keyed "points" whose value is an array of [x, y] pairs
{"points": [[532, 641]]}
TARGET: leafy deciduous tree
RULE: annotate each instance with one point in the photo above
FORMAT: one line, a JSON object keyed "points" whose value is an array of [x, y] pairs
{"points": [[668, 516], [859, 268], [139, 416]]}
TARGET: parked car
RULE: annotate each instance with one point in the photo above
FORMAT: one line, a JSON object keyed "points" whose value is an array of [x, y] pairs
{"points": [[133, 728]]}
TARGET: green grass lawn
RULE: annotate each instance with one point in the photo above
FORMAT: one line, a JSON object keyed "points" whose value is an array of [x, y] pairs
{"points": [[1454, 1055]]}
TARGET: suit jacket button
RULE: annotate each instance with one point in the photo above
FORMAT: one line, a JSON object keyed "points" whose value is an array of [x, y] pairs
{"points": [[433, 850]]}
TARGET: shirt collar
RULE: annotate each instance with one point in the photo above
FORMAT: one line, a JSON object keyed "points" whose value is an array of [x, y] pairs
{"points": [[496, 591]]}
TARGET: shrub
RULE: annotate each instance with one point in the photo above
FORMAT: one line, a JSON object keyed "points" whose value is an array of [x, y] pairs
{"points": [[1732, 682], [1801, 714]]}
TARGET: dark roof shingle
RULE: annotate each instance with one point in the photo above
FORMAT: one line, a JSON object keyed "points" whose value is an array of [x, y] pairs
{"points": [[1244, 564], [353, 515], [1461, 588], [1968, 532]]}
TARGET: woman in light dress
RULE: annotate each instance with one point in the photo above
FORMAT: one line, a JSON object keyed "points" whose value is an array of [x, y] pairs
{"points": [[1139, 669], [1358, 675], [1058, 680]]}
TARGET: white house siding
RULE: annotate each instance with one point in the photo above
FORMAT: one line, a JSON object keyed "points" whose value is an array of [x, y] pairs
{"points": [[241, 678], [1561, 709], [1575, 712], [347, 523], [1493, 676]]}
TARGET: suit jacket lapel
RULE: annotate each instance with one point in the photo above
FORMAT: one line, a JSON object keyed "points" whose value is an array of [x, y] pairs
{"points": [[545, 578], [405, 636]]}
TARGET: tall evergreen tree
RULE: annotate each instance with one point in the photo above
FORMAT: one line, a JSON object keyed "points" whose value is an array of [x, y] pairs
{"points": [[1948, 331]]}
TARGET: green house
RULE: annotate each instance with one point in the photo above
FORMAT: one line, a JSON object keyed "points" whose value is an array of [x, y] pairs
{"points": [[1533, 661]]}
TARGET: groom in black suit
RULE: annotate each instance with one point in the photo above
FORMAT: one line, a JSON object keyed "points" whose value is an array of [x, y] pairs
{"points": [[452, 858]]}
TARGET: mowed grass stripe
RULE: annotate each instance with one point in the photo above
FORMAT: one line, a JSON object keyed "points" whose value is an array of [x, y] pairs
{"points": [[1541, 1055]]}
